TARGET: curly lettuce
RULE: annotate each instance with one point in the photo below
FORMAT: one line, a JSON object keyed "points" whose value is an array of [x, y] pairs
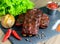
{"points": [[15, 7]]}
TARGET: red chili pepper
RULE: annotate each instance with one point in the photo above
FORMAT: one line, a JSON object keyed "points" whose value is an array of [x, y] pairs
{"points": [[16, 35], [7, 35]]}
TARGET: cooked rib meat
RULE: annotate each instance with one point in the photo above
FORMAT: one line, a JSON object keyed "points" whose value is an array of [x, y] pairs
{"points": [[44, 21], [20, 20], [31, 22]]}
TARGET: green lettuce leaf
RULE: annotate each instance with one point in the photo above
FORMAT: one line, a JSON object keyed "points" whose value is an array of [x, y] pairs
{"points": [[15, 7]]}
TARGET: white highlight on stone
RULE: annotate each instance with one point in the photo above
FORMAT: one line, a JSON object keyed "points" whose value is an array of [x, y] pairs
{"points": [[55, 25]]}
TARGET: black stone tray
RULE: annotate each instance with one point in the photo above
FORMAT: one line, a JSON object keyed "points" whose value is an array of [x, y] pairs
{"points": [[34, 40]]}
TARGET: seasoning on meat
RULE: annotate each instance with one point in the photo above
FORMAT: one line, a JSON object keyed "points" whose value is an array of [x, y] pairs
{"points": [[32, 22], [44, 21]]}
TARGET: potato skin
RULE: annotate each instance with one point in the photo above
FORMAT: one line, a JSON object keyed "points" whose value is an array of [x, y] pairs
{"points": [[7, 21]]}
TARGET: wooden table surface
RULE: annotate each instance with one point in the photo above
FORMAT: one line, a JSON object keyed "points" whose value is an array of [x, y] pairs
{"points": [[53, 40], [1, 37]]}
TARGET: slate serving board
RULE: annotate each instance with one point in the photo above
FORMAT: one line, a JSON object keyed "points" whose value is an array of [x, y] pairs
{"points": [[48, 31]]}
